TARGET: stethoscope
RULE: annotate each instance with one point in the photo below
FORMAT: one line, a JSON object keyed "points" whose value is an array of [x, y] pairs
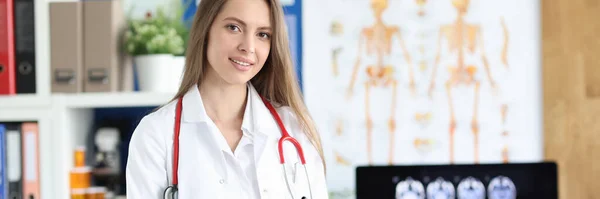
{"points": [[171, 191]]}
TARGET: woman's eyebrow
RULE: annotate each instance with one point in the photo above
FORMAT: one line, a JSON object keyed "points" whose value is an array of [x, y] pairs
{"points": [[244, 23], [268, 28], [236, 20]]}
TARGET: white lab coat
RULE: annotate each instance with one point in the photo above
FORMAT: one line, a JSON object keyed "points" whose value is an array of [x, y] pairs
{"points": [[201, 163]]}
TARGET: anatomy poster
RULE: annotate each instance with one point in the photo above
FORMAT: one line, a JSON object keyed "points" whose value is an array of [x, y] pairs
{"points": [[422, 82]]}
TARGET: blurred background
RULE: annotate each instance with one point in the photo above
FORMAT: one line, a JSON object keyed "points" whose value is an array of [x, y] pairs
{"points": [[415, 86]]}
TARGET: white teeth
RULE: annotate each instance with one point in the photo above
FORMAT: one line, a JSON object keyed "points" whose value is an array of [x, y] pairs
{"points": [[240, 62]]}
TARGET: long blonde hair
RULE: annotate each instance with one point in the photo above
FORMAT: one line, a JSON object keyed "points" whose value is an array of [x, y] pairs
{"points": [[276, 81]]}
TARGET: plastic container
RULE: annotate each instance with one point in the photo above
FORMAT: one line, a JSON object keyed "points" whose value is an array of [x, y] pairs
{"points": [[79, 157], [78, 193], [96, 193], [80, 177]]}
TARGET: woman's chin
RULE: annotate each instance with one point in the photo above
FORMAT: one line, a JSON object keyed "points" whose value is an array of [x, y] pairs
{"points": [[237, 79]]}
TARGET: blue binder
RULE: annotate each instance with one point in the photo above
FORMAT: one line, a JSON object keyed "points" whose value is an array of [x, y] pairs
{"points": [[3, 186]]}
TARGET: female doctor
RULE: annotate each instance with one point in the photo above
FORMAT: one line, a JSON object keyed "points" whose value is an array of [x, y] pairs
{"points": [[220, 137]]}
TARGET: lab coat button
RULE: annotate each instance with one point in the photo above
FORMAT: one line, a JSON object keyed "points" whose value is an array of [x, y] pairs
{"points": [[222, 181]]}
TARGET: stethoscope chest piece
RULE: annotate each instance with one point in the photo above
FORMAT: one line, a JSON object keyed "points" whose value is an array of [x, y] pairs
{"points": [[171, 192]]}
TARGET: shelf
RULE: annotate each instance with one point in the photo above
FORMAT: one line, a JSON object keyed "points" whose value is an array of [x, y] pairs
{"points": [[86, 100], [24, 114], [113, 100], [24, 101]]}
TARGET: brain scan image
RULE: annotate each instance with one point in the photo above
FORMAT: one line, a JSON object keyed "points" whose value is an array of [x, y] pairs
{"points": [[502, 187], [440, 189], [410, 189], [470, 188]]}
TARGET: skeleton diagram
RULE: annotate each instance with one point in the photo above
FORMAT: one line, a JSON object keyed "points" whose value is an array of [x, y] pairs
{"points": [[463, 39], [336, 30], [378, 42]]}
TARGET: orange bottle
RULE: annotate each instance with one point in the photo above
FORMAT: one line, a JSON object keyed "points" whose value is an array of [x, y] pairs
{"points": [[80, 176], [95, 193], [78, 194], [79, 157]]}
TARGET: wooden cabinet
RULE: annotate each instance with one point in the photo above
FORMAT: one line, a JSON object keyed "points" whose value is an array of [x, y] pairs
{"points": [[571, 81]]}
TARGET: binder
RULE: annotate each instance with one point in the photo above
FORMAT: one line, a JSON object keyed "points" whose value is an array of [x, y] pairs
{"points": [[24, 33], [31, 182], [13, 160], [3, 185], [104, 22], [66, 46], [7, 48], [126, 74]]}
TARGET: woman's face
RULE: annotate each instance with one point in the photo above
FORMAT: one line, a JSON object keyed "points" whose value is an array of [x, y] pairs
{"points": [[239, 41]]}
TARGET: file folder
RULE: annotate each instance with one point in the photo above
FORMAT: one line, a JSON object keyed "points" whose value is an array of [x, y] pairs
{"points": [[66, 46], [25, 65], [13, 161], [7, 49], [31, 185], [104, 23], [3, 184]]}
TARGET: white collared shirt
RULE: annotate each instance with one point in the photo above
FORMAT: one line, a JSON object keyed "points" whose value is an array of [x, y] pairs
{"points": [[240, 163], [207, 166]]}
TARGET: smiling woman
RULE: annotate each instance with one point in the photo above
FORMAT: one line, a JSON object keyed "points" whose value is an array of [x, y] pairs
{"points": [[235, 42], [238, 103]]}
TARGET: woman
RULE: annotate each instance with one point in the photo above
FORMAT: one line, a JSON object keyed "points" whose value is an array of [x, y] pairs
{"points": [[238, 53]]}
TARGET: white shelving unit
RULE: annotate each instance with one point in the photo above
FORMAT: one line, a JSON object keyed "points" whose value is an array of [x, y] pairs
{"points": [[64, 119], [24, 101], [73, 117], [112, 100]]}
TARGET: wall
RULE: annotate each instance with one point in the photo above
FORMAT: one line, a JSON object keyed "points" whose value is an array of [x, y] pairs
{"points": [[571, 79], [138, 8]]}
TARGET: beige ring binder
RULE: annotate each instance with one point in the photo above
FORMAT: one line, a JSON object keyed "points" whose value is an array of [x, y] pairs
{"points": [[66, 47]]}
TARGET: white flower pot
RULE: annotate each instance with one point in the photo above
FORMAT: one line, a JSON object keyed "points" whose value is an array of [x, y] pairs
{"points": [[158, 73]]}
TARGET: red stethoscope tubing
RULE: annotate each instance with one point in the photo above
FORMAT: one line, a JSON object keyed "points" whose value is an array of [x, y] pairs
{"points": [[285, 136], [176, 140]]}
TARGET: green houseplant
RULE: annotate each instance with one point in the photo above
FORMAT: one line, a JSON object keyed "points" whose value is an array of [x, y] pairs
{"points": [[157, 44], [156, 34]]}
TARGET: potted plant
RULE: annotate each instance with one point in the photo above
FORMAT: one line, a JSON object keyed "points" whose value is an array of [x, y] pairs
{"points": [[153, 42]]}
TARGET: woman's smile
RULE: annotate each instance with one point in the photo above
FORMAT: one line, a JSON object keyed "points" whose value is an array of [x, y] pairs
{"points": [[241, 63]]}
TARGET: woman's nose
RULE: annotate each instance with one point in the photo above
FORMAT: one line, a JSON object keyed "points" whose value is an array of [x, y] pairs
{"points": [[247, 45]]}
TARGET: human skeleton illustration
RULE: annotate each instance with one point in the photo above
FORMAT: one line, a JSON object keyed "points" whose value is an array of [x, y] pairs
{"points": [[422, 63], [336, 30], [463, 39], [420, 3], [504, 134], [377, 39], [334, 58]]}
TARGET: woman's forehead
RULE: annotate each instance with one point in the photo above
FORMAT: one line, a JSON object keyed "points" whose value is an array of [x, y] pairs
{"points": [[254, 13]]}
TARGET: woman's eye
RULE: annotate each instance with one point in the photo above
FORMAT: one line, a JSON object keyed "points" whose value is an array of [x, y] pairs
{"points": [[264, 35], [233, 27]]}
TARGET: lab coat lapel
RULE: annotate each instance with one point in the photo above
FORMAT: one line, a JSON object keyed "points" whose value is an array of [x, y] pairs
{"points": [[196, 122], [265, 138], [266, 132]]}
